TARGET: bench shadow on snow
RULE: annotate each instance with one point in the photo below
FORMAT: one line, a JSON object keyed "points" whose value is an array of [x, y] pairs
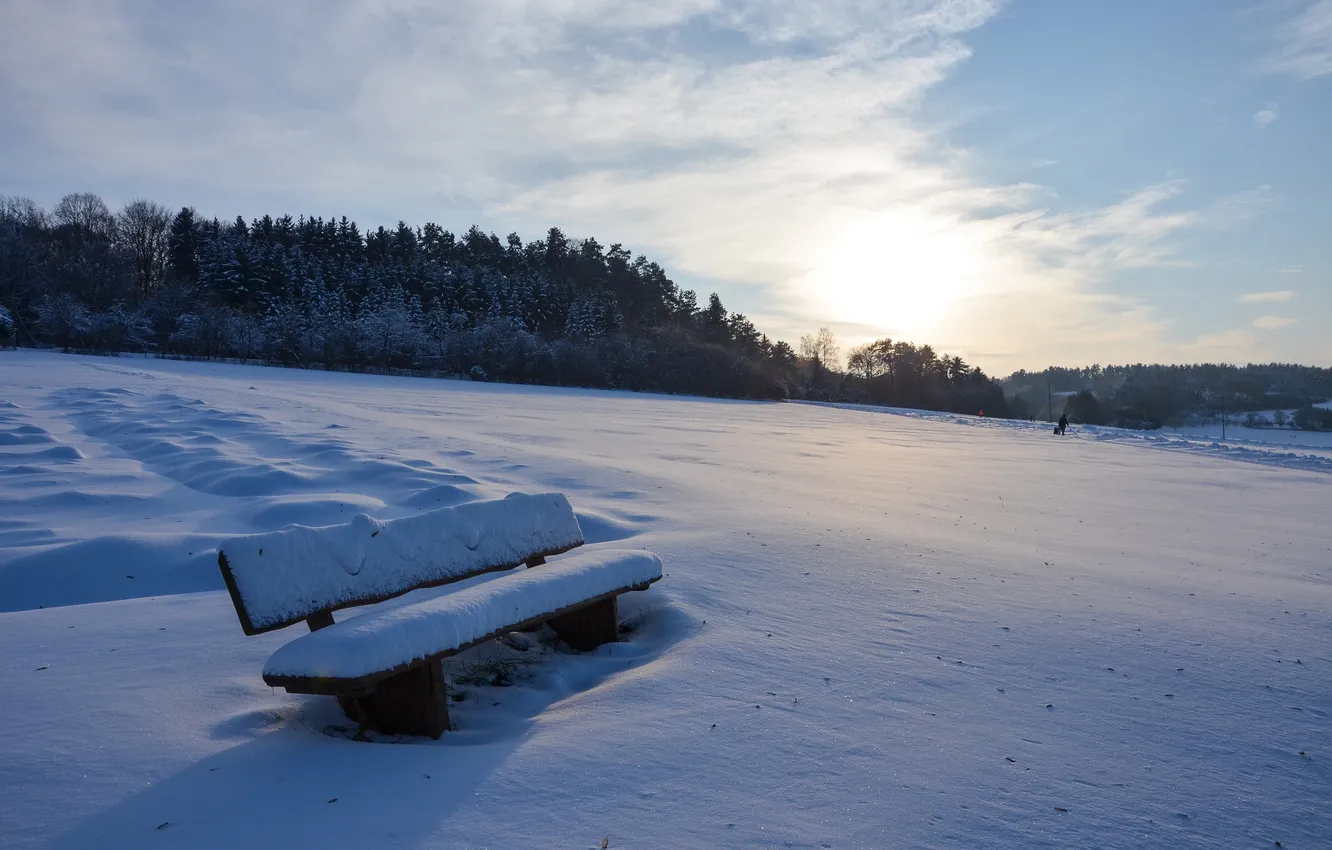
{"points": [[301, 784]]}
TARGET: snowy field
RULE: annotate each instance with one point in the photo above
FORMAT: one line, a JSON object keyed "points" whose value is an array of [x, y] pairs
{"points": [[874, 630], [1283, 437], [1311, 450]]}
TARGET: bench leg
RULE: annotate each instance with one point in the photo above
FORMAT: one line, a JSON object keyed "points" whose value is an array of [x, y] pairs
{"points": [[411, 703], [319, 620], [590, 627]]}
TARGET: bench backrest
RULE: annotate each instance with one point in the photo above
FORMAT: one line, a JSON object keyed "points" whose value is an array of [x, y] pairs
{"points": [[283, 577]]}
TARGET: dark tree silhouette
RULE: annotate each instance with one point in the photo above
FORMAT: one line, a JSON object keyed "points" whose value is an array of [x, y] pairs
{"points": [[322, 293]]}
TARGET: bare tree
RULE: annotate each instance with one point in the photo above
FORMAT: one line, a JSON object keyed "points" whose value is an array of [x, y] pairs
{"points": [[21, 212], [142, 228], [821, 348], [84, 215]]}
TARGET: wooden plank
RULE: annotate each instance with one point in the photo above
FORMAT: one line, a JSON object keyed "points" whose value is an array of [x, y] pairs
{"points": [[236, 601], [250, 629], [365, 684]]}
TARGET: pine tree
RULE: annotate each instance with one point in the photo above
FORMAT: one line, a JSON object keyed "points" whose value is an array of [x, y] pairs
{"points": [[183, 248]]}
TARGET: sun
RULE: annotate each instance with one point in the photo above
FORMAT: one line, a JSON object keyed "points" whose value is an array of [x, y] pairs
{"points": [[901, 271]]}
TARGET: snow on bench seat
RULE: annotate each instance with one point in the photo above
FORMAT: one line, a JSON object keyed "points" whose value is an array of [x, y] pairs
{"points": [[356, 653], [283, 577]]}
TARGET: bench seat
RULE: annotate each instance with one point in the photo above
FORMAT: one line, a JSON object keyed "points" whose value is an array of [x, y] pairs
{"points": [[352, 656]]}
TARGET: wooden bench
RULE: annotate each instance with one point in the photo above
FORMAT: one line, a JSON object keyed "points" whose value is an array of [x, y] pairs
{"points": [[385, 667]]}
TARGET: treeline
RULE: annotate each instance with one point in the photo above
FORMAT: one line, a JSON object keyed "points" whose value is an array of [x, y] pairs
{"points": [[320, 293], [900, 374], [1150, 396]]}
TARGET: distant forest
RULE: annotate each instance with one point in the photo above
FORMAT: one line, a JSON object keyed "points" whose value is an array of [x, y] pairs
{"points": [[1150, 396], [320, 293]]}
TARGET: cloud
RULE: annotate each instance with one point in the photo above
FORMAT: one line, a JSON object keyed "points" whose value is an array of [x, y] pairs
{"points": [[1291, 270], [482, 100], [1272, 323], [771, 150], [1304, 42], [1229, 346], [1265, 116], [1280, 296]]}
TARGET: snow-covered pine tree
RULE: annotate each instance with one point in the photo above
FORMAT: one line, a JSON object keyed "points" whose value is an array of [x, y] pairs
{"points": [[329, 333], [390, 321], [284, 327], [593, 317]]}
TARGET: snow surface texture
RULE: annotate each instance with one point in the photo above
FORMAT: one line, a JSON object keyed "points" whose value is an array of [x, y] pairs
{"points": [[287, 575], [875, 630], [382, 640]]}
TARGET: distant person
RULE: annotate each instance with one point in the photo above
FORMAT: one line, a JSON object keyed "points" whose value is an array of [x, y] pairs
{"points": [[1063, 423]]}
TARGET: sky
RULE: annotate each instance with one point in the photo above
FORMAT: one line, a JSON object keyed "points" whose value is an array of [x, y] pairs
{"points": [[1022, 183]]}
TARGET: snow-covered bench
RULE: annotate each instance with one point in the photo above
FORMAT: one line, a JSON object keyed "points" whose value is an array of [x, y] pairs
{"points": [[385, 666]]}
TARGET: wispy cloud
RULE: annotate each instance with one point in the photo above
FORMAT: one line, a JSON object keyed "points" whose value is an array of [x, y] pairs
{"points": [[1233, 210], [1291, 270], [1304, 42], [1272, 323], [1265, 116], [1279, 296]]}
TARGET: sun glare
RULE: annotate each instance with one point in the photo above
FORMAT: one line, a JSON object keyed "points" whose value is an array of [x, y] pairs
{"points": [[899, 271]]}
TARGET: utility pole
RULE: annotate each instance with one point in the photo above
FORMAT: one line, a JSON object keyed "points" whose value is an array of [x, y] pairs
{"points": [[1049, 395]]}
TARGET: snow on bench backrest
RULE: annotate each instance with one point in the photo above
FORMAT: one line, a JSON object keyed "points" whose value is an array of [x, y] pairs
{"points": [[281, 578]]}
